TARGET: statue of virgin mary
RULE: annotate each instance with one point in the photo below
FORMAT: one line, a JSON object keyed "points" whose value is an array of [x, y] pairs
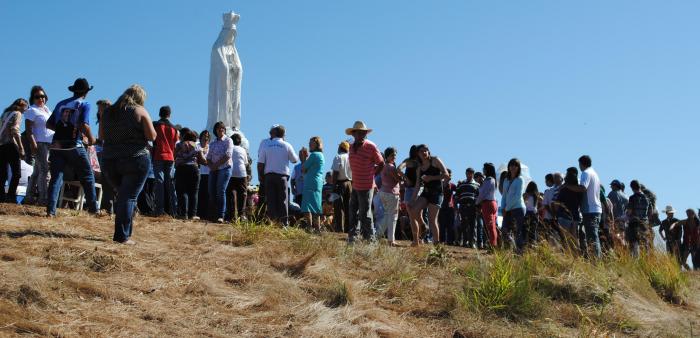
{"points": [[225, 77]]}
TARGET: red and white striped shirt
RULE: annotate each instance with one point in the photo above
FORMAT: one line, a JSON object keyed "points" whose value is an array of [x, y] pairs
{"points": [[363, 161]]}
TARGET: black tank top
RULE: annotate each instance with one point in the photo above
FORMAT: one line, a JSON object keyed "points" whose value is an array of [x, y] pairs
{"points": [[123, 134], [433, 186], [411, 175]]}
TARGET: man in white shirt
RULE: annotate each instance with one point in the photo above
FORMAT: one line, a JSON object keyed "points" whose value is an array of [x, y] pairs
{"points": [[342, 178], [274, 156], [592, 207]]}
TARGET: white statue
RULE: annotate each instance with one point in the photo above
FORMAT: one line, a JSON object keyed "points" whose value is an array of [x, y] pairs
{"points": [[225, 80]]}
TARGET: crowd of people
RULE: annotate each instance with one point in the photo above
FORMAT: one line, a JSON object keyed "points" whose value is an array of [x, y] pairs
{"points": [[159, 168]]}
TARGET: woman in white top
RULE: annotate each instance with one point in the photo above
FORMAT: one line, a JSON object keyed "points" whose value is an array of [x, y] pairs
{"points": [[40, 139], [237, 190]]}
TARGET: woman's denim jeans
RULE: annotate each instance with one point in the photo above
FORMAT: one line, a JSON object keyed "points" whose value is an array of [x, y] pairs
{"points": [[218, 181], [127, 175]]}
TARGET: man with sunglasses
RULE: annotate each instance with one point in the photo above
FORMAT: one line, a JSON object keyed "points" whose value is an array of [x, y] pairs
{"points": [[70, 121]]}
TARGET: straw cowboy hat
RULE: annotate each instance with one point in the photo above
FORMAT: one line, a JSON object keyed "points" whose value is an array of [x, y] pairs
{"points": [[359, 125], [669, 210]]}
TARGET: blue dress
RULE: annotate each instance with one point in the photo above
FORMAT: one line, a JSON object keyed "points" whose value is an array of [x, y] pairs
{"points": [[313, 184]]}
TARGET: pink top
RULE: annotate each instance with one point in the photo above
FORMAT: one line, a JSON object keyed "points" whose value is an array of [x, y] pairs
{"points": [[389, 184]]}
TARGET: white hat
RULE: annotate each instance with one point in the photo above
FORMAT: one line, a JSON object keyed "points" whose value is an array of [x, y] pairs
{"points": [[670, 210]]}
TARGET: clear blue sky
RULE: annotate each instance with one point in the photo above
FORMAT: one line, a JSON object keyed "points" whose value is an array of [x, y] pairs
{"points": [[546, 81]]}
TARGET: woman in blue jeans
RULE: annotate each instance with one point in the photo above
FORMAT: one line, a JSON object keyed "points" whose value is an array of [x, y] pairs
{"points": [[126, 129], [220, 163]]}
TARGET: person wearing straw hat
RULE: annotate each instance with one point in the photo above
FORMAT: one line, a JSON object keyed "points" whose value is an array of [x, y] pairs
{"points": [[672, 237], [365, 162], [70, 121]]}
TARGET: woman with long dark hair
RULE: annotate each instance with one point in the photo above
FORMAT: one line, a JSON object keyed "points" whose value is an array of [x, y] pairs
{"points": [[409, 167], [125, 129], [514, 205], [488, 204], [431, 172], [11, 149], [40, 139], [532, 219]]}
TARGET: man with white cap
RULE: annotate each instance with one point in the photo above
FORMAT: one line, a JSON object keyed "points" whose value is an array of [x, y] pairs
{"points": [[672, 237], [365, 162], [274, 156]]}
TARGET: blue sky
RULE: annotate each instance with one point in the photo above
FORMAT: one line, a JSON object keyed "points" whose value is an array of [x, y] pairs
{"points": [[544, 81]]}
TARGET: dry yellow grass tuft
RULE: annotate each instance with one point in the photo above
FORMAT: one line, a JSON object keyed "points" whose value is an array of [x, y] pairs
{"points": [[64, 277]]}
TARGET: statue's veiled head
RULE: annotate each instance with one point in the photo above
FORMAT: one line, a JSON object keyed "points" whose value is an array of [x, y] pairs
{"points": [[230, 20]]}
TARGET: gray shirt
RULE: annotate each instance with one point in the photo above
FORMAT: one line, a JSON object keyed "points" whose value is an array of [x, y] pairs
{"points": [[619, 202]]}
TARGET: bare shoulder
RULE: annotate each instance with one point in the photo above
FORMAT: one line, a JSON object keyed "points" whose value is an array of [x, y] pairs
{"points": [[140, 111], [437, 161]]}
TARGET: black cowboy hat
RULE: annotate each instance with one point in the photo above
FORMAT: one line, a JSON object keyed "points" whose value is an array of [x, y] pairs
{"points": [[80, 85]]}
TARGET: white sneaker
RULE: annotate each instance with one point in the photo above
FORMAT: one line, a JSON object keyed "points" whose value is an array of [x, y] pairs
{"points": [[220, 220]]}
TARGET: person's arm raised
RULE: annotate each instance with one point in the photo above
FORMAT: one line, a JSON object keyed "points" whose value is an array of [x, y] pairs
{"points": [[443, 170], [402, 166]]}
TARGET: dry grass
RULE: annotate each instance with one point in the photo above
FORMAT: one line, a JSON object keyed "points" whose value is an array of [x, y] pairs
{"points": [[63, 277]]}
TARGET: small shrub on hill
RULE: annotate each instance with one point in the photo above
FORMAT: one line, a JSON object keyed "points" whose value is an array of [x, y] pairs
{"points": [[339, 294], [660, 270], [437, 255], [504, 288]]}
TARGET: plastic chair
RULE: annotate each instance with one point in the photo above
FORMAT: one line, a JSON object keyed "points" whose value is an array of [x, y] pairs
{"points": [[79, 200]]}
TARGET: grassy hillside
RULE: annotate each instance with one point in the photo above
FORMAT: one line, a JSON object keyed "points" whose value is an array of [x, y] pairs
{"points": [[64, 277]]}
